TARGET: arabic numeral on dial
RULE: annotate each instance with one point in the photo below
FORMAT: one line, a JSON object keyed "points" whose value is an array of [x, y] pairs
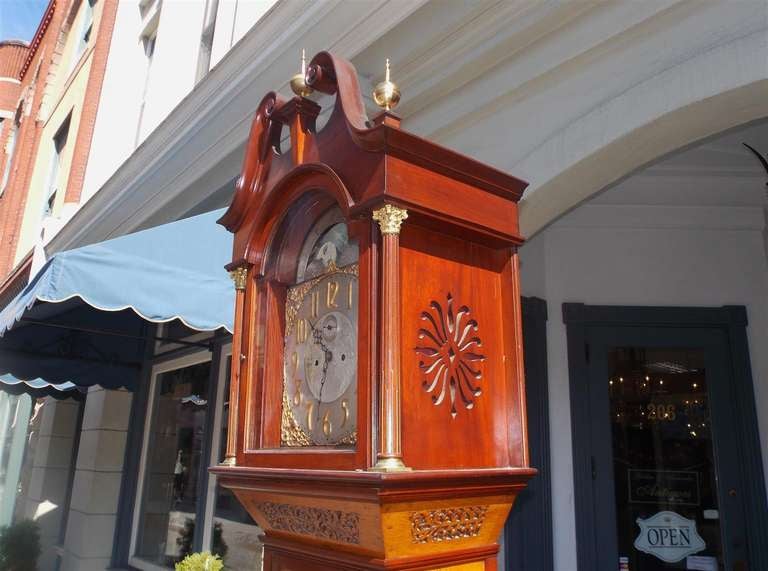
{"points": [[332, 290], [345, 409], [310, 416], [302, 330], [315, 303], [327, 426], [297, 392]]}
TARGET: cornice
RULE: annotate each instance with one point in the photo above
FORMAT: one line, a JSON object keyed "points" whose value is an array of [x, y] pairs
{"points": [[38, 37]]}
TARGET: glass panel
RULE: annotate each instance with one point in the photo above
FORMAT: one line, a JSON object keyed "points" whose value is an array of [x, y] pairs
{"points": [[320, 343], [235, 536], [664, 470], [174, 456]]}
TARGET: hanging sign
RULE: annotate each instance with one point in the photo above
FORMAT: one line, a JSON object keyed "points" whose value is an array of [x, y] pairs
{"points": [[668, 536]]}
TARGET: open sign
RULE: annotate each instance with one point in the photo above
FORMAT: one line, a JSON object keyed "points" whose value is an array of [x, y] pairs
{"points": [[668, 536]]}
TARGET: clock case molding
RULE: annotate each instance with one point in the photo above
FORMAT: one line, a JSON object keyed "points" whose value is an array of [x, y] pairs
{"points": [[431, 479]]}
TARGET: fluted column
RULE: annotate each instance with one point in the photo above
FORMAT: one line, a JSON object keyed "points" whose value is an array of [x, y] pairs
{"points": [[240, 278], [389, 457]]}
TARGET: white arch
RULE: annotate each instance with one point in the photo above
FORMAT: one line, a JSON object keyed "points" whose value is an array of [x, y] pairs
{"points": [[635, 149]]}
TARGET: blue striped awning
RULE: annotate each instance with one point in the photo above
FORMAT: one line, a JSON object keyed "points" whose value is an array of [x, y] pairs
{"points": [[82, 319]]}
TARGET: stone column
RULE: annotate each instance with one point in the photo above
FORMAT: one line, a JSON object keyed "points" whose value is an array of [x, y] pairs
{"points": [[46, 474], [96, 487]]}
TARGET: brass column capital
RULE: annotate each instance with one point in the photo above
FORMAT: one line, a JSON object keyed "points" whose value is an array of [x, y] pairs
{"points": [[390, 218], [239, 277]]}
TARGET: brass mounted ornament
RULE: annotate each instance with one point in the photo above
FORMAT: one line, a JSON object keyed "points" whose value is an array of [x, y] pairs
{"points": [[298, 82], [386, 94]]}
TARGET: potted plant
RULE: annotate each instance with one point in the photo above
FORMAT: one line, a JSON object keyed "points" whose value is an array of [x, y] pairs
{"points": [[204, 561]]}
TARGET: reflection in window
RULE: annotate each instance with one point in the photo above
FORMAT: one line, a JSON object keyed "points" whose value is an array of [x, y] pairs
{"points": [[235, 536], [54, 173], [662, 449], [174, 456], [206, 39]]}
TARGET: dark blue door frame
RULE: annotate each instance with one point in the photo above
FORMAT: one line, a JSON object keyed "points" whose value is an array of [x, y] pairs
{"points": [[528, 533], [585, 326]]}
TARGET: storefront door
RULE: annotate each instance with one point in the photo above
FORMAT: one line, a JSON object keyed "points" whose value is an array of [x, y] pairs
{"points": [[667, 479]]}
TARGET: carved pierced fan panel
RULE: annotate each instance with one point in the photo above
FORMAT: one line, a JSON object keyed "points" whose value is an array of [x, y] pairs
{"points": [[458, 357]]}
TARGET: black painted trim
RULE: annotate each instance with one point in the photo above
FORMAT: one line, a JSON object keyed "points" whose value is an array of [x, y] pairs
{"points": [[732, 320], [748, 442], [121, 544], [205, 461], [586, 544], [574, 313], [528, 533]]}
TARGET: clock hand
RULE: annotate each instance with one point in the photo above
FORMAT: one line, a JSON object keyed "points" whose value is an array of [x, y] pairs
{"points": [[317, 336]]}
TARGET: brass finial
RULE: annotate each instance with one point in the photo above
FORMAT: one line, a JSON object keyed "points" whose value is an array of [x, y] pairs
{"points": [[298, 82], [386, 94]]}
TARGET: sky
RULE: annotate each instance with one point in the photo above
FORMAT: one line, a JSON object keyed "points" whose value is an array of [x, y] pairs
{"points": [[19, 18]]}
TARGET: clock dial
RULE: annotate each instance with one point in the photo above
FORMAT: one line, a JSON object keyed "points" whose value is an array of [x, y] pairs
{"points": [[320, 351]]}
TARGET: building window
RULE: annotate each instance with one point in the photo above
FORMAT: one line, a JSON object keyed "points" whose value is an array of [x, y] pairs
{"points": [[54, 172], [149, 53], [10, 147], [206, 39], [86, 29], [150, 22], [180, 509]]}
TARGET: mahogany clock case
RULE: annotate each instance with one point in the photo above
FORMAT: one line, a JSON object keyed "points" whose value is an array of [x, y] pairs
{"points": [[457, 270], [440, 451]]}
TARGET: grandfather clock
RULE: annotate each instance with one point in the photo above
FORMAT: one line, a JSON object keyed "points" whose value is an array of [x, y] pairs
{"points": [[377, 414]]}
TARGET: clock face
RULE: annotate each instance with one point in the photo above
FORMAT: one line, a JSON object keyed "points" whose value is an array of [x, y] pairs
{"points": [[320, 351]]}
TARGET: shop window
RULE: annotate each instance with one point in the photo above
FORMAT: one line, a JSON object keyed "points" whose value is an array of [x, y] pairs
{"points": [[179, 508], [172, 470], [231, 532]]}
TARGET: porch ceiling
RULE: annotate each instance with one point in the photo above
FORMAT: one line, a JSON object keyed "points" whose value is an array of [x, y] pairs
{"points": [[548, 91]]}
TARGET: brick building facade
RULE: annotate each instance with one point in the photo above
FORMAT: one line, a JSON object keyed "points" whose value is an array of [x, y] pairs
{"points": [[22, 94], [60, 71]]}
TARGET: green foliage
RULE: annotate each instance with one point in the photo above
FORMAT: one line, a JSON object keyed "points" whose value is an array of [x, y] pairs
{"points": [[20, 546], [200, 562]]}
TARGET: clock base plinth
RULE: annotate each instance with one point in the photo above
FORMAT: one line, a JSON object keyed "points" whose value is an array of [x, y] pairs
{"points": [[319, 520], [282, 555]]}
